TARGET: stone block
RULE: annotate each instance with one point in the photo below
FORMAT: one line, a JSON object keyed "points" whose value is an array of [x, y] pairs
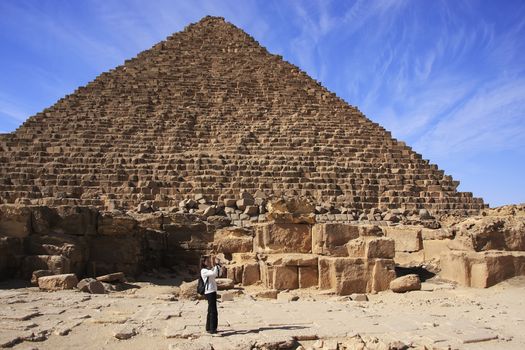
{"points": [[233, 240], [408, 239], [433, 248], [345, 275], [15, 221], [282, 238], [285, 277], [330, 239], [250, 274], [380, 247], [308, 276], [116, 225], [407, 259], [58, 282]]}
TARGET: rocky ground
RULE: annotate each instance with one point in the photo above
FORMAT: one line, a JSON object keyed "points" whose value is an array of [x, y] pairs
{"points": [[440, 316]]}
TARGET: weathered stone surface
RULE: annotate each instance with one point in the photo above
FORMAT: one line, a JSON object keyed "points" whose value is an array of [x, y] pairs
{"points": [[407, 239], [491, 232], [285, 277], [39, 273], [70, 220], [15, 221], [250, 273], [267, 294], [406, 283], [116, 224], [110, 254], [91, 285], [330, 239], [481, 269], [355, 275], [308, 276], [293, 210], [58, 282], [282, 238], [233, 240]]}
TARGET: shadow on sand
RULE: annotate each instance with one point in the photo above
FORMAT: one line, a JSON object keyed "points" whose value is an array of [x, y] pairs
{"points": [[259, 329]]}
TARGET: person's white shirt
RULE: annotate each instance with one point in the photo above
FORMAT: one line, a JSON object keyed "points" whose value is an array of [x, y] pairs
{"points": [[208, 276]]}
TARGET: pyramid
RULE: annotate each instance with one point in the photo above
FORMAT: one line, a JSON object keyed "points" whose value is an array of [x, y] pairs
{"points": [[210, 111]]}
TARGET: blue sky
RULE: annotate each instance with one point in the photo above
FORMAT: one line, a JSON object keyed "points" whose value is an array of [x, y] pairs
{"points": [[447, 77]]}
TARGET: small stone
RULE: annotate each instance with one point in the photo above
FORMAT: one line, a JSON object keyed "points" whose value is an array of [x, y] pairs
{"points": [[359, 297], [126, 332]]}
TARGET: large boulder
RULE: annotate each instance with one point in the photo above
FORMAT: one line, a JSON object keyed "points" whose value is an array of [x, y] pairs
{"points": [[406, 283], [58, 282]]}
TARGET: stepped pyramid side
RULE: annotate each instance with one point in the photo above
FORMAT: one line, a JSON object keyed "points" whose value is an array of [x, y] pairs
{"points": [[210, 111]]}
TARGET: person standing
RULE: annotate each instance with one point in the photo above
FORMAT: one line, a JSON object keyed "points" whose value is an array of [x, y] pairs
{"points": [[211, 269]]}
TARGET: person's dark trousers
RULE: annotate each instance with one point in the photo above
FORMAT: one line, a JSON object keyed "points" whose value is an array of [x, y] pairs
{"points": [[211, 319]]}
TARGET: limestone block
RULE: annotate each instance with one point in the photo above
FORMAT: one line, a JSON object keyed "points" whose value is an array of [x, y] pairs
{"points": [[285, 277], [455, 266], [436, 234], [153, 221], [382, 274], [410, 259], [282, 238], [233, 240], [250, 274], [308, 276], [433, 248], [492, 232], [407, 239], [74, 248], [115, 225], [345, 275], [15, 221], [380, 247], [70, 220], [330, 239], [58, 282]]}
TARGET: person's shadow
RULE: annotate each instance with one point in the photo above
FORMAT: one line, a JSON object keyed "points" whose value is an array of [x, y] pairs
{"points": [[260, 329]]}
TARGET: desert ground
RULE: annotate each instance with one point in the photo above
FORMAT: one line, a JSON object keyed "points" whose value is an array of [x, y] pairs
{"points": [[150, 315]]}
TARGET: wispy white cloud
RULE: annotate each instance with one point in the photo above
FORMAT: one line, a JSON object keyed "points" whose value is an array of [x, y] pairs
{"points": [[492, 119]]}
